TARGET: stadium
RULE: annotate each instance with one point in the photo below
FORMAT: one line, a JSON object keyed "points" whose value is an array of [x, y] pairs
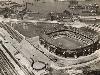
{"points": [[69, 42]]}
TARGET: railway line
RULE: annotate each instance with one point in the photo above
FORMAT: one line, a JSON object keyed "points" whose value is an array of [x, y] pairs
{"points": [[6, 67], [12, 32]]}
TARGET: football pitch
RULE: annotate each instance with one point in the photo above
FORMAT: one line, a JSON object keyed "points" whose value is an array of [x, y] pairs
{"points": [[67, 43]]}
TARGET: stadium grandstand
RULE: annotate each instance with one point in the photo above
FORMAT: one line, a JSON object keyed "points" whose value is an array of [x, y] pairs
{"points": [[70, 42]]}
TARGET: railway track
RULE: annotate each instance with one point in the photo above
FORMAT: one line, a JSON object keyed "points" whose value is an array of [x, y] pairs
{"points": [[6, 67], [12, 32]]}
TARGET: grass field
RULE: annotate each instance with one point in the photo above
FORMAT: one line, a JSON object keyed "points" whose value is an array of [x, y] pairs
{"points": [[67, 43]]}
